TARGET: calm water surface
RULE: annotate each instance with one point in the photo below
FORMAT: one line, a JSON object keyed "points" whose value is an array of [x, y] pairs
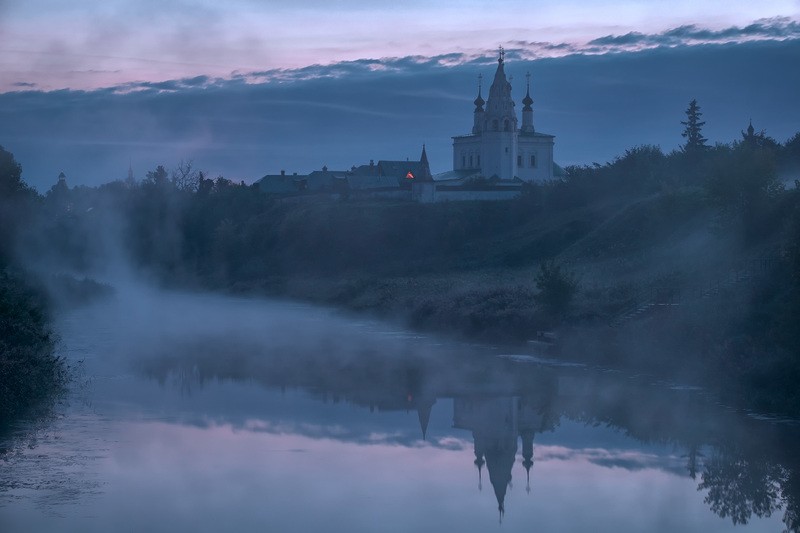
{"points": [[207, 413]]}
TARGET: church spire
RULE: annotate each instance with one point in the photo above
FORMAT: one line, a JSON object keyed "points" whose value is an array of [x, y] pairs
{"points": [[477, 123], [527, 110], [479, 101], [426, 167], [500, 115], [527, 101]]}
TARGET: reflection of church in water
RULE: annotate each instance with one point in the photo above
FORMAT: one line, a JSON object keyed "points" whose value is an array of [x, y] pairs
{"points": [[496, 424]]}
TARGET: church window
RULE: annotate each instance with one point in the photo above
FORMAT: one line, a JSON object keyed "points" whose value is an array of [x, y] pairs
{"points": [[506, 149], [533, 160], [463, 161], [495, 125], [470, 161], [519, 160], [506, 126]]}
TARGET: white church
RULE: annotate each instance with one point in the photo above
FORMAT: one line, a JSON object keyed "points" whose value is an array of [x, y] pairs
{"points": [[493, 162], [497, 148]]}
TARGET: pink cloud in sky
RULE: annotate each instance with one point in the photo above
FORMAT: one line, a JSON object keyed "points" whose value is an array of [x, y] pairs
{"points": [[86, 45]]}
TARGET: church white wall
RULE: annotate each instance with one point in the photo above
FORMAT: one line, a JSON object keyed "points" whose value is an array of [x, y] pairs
{"points": [[467, 152], [541, 169], [498, 154]]}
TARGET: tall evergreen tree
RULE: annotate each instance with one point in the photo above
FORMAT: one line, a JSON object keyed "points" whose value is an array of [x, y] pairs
{"points": [[695, 142]]}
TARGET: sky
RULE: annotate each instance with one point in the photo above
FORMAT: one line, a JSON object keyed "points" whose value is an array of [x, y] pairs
{"points": [[245, 87]]}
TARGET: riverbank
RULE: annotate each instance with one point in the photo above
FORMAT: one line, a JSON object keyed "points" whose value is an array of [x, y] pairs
{"points": [[692, 341], [660, 287]]}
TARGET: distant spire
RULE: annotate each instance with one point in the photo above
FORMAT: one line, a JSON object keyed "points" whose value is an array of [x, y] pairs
{"points": [[62, 176], [130, 170], [424, 157], [502, 55], [750, 136]]}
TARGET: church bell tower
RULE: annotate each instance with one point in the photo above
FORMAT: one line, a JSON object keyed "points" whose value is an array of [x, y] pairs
{"points": [[499, 132]]}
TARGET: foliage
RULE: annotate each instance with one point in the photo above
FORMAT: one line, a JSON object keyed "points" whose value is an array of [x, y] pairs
{"points": [[30, 372], [557, 288], [743, 183], [693, 132], [16, 199], [738, 488]]}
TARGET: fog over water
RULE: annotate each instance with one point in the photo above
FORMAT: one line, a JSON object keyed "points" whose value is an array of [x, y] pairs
{"points": [[207, 413]]}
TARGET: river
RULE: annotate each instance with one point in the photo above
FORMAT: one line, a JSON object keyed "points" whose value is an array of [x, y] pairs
{"points": [[194, 412]]}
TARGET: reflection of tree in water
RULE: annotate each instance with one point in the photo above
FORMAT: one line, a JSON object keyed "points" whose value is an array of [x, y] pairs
{"points": [[746, 483], [739, 488], [791, 493]]}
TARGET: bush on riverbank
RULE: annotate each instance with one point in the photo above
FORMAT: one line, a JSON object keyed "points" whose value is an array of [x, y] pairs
{"points": [[30, 371]]}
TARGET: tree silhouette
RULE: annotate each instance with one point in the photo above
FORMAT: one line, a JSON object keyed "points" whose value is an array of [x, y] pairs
{"points": [[740, 487], [556, 286], [695, 142]]}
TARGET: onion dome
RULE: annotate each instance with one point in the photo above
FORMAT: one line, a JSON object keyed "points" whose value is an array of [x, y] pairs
{"points": [[527, 101], [479, 101]]}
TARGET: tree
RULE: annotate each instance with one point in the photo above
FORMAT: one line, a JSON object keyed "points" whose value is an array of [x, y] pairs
{"points": [[10, 175], [556, 286], [16, 203], [186, 178], [743, 183], [695, 142], [157, 178], [790, 154]]}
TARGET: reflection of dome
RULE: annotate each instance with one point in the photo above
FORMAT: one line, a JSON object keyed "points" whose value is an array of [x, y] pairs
{"points": [[499, 462], [494, 434], [527, 455], [479, 462], [424, 415], [496, 424]]}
